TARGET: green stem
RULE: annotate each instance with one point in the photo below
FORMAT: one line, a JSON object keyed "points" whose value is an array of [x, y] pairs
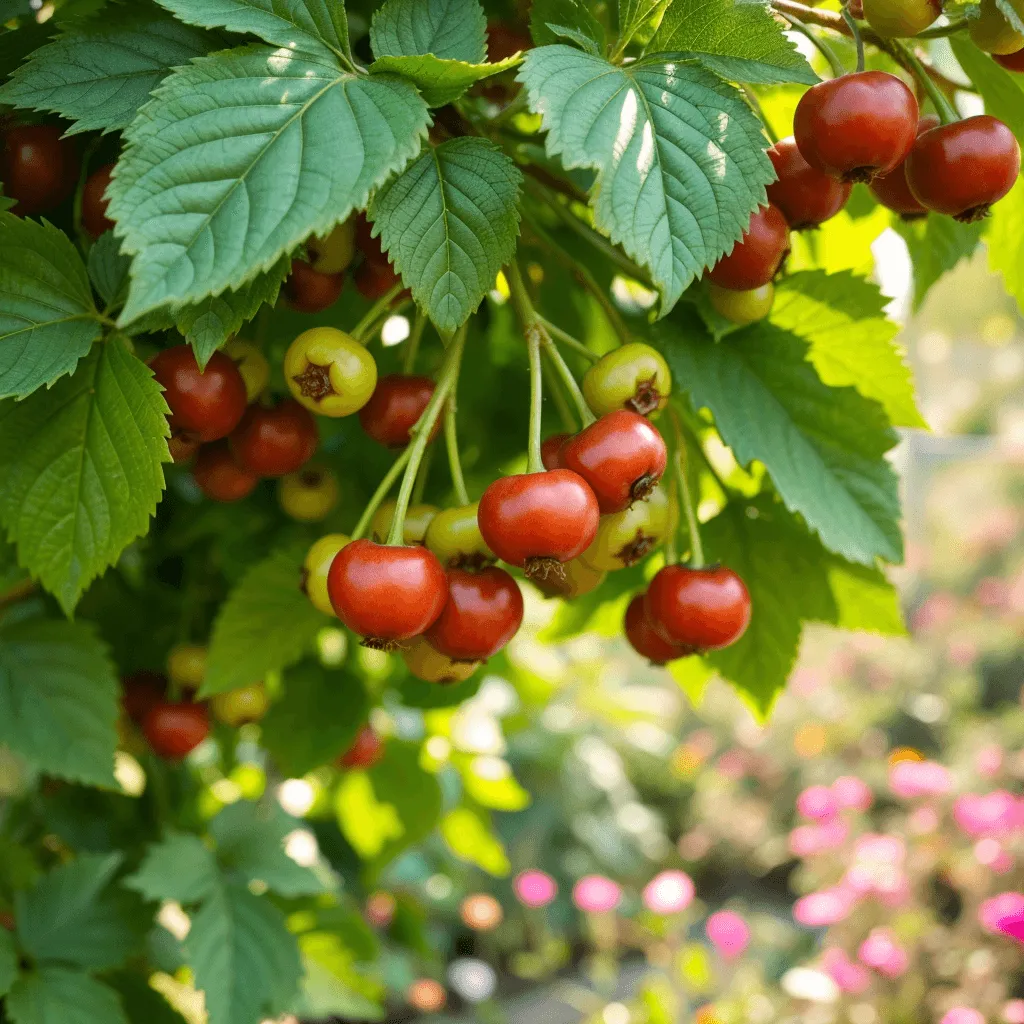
{"points": [[568, 340], [381, 306], [532, 329], [941, 31], [905, 56], [383, 489], [562, 368], [412, 346], [421, 477], [451, 440], [685, 497], [558, 397], [822, 47], [858, 40]]}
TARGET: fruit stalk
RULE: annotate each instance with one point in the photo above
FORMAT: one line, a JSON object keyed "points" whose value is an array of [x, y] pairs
{"points": [[376, 311], [820, 45], [685, 497], [857, 37], [905, 56], [383, 489], [451, 440], [412, 346]]}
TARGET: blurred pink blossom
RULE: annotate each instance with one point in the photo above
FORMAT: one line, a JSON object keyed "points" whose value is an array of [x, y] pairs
{"points": [[810, 840], [732, 765], [988, 762], [990, 854], [826, 907], [993, 814], [668, 893], [936, 610], [596, 894], [852, 793], [849, 975], [1004, 915], [1013, 1011], [881, 951], [877, 868], [912, 779], [962, 1015], [923, 820], [991, 592], [535, 889], [962, 651], [817, 803], [729, 933]]}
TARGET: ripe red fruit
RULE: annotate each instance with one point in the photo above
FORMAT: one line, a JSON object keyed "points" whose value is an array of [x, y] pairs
{"points": [[369, 246], [205, 404], [892, 190], [551, 451], [1010, 61], [503, 41], [374, 280], [142, 691], [182, 447], [483, 612], [397, 403], [806, 196], [857, 126], [38, 167], [621, 456], [275, 442], [219, 475], [310, 291], [961, 169], [366, 750], [94, 205], [755, 259], [700, 608], [386, 594], [645, 641], [174, 730], [537, 520]]}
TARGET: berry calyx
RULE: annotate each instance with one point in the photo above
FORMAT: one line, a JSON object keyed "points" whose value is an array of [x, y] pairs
{"points": [[551, 451], [252, 365], [755, 259], [333, 253], [94, 204], [578, 578], [961, 169], [857, 126], [366, 750], [539, 520], [308, 495], [277, 441], [1011, 61], [634, 377], [621, 456], [186, 666], [993, 32], [396, 404], [742, 308], [329, 372], [483, 612], [38, 167], [629, 536], [310, 291], [418, 519], [805, 196], [316, 567], [645, 641], [897, 19], [386, 594], [430, 665], [892, 190], [175, 730], [241, 706], [705, 609], [220, 476], [454, 536]]}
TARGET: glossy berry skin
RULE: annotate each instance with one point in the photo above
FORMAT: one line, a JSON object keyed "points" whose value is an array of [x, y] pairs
{"points": [[742, 308], [430, 665], [329, 372], [333, 253], [205, 404], [961, 169], [275, 442], [892, 190], [454, 536], [621, 456], [374, 280], [38, 167], [141, 691], [308, 495], [220, 476], [483, 612], [755, 259], [993, 32], [895, 19], [535, 519], [578, 578], [316, 568], [94, 205], [418, 519], [551, 451], [366, 750], [175, 730], [1011, 61], [857, 126], [310, 291], [238, 707], [805, 196], [705, 609], [629, 536], [633, 376], [252, 365], [397, 403], [645, 641], [386, 594]]}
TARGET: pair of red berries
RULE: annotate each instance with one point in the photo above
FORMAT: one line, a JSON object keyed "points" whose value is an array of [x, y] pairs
{"points": [[173, 729], [398, 401]]}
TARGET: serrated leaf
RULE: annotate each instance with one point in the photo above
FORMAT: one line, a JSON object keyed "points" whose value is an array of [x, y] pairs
{"points": [[440, 81], [8, 962], [449, 223], [180, 867], [864, 599], [469, 833], [937, 244], [1004, 234], [59, 700], [634, 13], [266, 624], [550, 18], [680, 156], [48, 320], [108, 269], [81, 469], [1003, 97], [452, 29], [55, 995], [824, 447], [99, 77], [738, 39], [842, 318], [243, 155]]}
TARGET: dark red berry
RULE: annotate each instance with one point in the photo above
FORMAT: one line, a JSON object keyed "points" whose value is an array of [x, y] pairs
{"points": [[397, 403], [504, 42], [277, 441], [175, 730], [483, 612], [369, 246], [1010, 61], [182, 447], [374, 280], [704, 609], [94, 205], [806, 196], [892, 190], [551, 451], [755, 259], [309, 290], [645, 641], [142, 691], [219, 475], [39, 168], [366, 750]]}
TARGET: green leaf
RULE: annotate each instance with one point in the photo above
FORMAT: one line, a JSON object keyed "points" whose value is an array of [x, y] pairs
{"points": [[331, 986], [143, 1004], [243, 155], [452, 29], [469, 834], [108, 269], [180, 867], [824, 447], [47, 317], [316, 718], [99, 77], [449, 223], [58, 996], [8, 962], [553, 20], [936, 245], [75, 916], [680, 156], [738, 39], [81, 469], [634, 13], [852, 344], [59, 700], [316, 27], [1003, 97], [1005, 232], [440, 81], [864, 599]]}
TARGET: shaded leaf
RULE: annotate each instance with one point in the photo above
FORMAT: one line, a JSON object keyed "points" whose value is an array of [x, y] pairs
{"points": [[180, 867], [55, 995], [440, 81], [452, 29]]}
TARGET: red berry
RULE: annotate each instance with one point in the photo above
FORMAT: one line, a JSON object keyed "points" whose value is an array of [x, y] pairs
{"points": [[536, 520], [621, 456], [645, 641], [219, 475], [142, 691], [369, 246], [700, 608], [182, 447], [892, 190], [174, 730], [504, 42], [857, 126], [94, 205], [961, 169], [374, 280], [755, 259], [1010, 61], [483, 612], [366, 750], [205, 404], [39, 168], [277, 441], [806, 196], [309, 290], [386, 594], [551, 451], [397, 403]]}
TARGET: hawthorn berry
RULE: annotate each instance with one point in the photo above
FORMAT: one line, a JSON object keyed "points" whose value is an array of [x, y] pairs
{"points": [[276, 441], [645, 641], [454, 536], [175, 730], [551, 451], [374, 280], [397, 403], [418, 519], [705, 609], [238, 707], [186, 666], [539, 520], [621, 456], [329, 372], [38, 167], [366, 750], [141, 691], [483, 612], [308, 495], [366, 243], [182, 448], [384, 593], [629, 536], [742, 308], [310, 291], [755, 259], [220, 476], [633, 376], [892, 190], [901, 18], [805, 196], [961, 169], [316, 567], [857, 126], [94, 203], [504, 41], [333, 253], [205, 404], [1011, 61], [252, 365], [993, 32], [430, 665], [578, 578]]}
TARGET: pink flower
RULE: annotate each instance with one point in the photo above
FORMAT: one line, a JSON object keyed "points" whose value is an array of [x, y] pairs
{"points": [[962, 1015], [877, 868], [817, 803], [1013, 1011], [988, 762], [809, 840], [936, 610], [990, 854], [923, 820], [535, 889], [913, 779], [849, 975], [596, 894], [1004, 915], [852, 793], [881, 951], [994, 814], [671, 892], [729, 933], [827, 907]]}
